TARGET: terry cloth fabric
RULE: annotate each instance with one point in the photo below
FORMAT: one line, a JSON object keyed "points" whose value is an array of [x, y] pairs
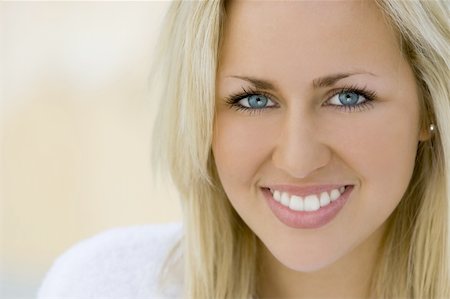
{"points": [[121, 263]]}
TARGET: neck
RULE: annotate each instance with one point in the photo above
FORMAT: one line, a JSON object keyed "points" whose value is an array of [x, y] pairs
{"points": [[349, 277]]}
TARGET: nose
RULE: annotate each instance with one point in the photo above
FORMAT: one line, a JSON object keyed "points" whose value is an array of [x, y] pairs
{"points": [[300, 149]]}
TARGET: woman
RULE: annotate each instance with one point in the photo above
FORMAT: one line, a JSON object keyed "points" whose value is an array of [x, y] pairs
{"points": [[310, 144]]}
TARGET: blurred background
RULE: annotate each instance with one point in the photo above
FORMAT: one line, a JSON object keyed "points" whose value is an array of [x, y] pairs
{"points": [[75, 129]]}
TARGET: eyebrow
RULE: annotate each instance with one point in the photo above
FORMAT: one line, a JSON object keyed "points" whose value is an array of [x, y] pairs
{"points": [[333, 78], [320, 82], [258, 83]]}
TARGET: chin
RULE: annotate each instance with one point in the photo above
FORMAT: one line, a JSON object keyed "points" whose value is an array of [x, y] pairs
{"points": [[305, 261], [307, 266]]}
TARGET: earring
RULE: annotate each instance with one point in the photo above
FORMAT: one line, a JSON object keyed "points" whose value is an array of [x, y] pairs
{"points": [[432, 128]]}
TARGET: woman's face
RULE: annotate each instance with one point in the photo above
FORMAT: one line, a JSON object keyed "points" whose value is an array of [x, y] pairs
{"points": [[317, 125]]}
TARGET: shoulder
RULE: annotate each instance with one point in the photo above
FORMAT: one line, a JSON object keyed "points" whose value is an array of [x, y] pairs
{"points": [[118, 263]]}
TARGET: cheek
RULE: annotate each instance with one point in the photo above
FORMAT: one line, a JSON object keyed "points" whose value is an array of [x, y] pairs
{"points": [[382, 153], [390, 151], [241, 146]]}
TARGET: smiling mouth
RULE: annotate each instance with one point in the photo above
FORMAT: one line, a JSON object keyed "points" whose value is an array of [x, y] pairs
{"points": [[309, 207], [310, 202]]}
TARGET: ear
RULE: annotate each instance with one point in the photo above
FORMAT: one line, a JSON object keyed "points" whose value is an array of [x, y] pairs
{"points": [[424, 135]]}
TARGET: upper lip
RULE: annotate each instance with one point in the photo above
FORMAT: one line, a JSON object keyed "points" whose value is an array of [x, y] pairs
{"points": [[304, 190]]}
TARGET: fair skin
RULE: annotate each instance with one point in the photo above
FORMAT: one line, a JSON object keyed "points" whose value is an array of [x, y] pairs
{"points": [[303, 135]]}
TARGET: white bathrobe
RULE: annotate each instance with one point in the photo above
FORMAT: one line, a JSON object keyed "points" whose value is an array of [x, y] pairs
{"points": [[120, 263]]}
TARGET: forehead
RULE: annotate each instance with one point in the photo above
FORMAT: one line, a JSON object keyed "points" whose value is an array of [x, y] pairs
{"points": [[306, 37]]}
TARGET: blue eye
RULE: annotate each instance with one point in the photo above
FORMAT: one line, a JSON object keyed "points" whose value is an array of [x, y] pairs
{"points": [[251, 101], [347, 98], [256, 101]]}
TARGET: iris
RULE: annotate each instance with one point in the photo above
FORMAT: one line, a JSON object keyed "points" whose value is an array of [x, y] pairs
{"points": [[257, 101], [348, 98]]}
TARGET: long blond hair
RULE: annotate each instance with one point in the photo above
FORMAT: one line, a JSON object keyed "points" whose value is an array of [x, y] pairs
{"points": [[220, 253]]}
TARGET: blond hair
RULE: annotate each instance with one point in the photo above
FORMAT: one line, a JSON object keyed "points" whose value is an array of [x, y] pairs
{"points": [[220, 253]]}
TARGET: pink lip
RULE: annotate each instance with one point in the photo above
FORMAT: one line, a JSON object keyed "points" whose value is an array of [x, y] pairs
{"points": [[310, 219]]}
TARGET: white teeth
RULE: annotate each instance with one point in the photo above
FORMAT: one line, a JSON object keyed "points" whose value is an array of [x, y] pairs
{"points": [[324, 199], [285, 198], [334, 194], [311, 203], [277, 195], [296, 203]]}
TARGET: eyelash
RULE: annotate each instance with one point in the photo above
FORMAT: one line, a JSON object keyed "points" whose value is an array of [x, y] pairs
{"points": [[369, 95], [233, 100]]}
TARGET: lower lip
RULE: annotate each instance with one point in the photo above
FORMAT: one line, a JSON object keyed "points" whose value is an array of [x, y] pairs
{"points": [[310, 219]]}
